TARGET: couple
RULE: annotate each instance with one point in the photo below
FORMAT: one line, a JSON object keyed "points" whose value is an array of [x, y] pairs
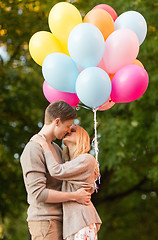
{"points": [[59, 184]]}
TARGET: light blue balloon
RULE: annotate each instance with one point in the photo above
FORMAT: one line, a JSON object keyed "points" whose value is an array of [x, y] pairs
{"points": [[86, 45], [60, 72], [135, 21], [93, 87]]}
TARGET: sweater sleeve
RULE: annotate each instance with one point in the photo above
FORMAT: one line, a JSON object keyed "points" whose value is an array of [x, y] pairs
{"points": [[77, 169], [34, 171]]}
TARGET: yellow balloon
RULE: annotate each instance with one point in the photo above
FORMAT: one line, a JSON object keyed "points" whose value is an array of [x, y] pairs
{"points": [[63, 17], [137, 62], [65, 48], [42, 44]]}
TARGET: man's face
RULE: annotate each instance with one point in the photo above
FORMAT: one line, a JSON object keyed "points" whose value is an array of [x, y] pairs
{"points": [[71, 137], [63, 128]]}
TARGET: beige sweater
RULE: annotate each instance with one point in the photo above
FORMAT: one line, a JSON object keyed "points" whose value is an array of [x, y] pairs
{"points": [[37, 182], [76, 173]]}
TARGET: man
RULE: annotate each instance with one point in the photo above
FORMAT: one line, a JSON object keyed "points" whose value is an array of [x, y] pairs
{"points": [[44, 196]]}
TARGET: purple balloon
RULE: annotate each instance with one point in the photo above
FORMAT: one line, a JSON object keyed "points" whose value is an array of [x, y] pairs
{"points": [[52, 95], [129, 83]]}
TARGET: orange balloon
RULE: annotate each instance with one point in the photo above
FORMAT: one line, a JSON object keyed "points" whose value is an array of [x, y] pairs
{"points": [[102, 20], [137, 62], [111, 76]]}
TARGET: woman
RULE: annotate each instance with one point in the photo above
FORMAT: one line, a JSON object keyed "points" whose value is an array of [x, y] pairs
{"points": [[79, 221]]}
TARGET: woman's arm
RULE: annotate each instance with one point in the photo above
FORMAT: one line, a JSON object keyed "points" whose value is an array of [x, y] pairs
{"points": [[33, 167], [77, 169]]}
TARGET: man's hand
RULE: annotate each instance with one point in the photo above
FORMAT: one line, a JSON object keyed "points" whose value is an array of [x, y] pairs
{"points": [[82, 196]]}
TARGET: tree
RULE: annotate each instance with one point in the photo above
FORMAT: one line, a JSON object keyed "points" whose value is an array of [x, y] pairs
{"points": [[127, 133]]}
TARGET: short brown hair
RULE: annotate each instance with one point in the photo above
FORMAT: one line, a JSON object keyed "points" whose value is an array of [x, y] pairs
{"points": [[59, 109]]}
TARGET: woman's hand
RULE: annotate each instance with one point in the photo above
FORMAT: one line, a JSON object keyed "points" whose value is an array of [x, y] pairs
{"points": [[42, 141], [82, 196]]}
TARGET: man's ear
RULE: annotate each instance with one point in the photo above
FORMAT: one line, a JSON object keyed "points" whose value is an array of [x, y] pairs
{"points": [[57, 121]]}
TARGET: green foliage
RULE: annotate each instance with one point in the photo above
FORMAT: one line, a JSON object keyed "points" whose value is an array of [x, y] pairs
{"points": [[127, 133], [15, 228], [130, 217]]}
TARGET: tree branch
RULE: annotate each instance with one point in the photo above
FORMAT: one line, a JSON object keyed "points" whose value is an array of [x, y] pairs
{"points": [[97, 200]]}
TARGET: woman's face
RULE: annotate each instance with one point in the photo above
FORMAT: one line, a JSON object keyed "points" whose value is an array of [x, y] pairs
{"points": [[70, 137]]}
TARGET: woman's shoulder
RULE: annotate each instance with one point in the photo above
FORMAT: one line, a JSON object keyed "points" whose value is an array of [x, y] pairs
{"points": [[88, 158], [88, 155]]}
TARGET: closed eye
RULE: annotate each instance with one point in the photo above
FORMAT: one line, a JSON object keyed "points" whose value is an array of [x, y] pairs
{"points": [[73, 130]]}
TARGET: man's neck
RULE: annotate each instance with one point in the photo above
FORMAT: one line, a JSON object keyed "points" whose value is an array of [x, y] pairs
{"points": [[47, 132]]}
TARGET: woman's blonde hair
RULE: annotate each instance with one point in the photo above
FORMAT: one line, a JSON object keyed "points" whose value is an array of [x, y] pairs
{"points": [[82, 144]]}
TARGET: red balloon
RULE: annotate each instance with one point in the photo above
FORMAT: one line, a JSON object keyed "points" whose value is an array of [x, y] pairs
{"points": [[107, 105], [109, 9]]}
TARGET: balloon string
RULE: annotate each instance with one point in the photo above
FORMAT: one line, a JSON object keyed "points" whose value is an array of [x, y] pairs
{"points": [[78, 107], [95, 142]]}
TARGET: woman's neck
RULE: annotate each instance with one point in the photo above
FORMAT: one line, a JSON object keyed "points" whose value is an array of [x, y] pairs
{"points": [[71, 149]]}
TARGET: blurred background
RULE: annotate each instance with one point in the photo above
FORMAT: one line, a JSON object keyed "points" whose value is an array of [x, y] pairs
{"points": [[127, 201]]}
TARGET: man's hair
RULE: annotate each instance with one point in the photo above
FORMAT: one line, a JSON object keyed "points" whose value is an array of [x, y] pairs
{"points": [[59, 109]]}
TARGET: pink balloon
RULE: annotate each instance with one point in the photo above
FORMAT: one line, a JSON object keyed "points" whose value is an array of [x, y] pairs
{"points": [[109, 9], [102, 65], [129, 83], [121, 48], [107, 105], [52, 95], [80, 69]]}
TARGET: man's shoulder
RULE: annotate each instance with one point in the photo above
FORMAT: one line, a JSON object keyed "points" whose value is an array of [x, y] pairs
{"points": [[32, 148], [32, 145]]}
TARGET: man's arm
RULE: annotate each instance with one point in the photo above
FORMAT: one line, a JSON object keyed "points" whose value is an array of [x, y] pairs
{"points": [[80, 196]]}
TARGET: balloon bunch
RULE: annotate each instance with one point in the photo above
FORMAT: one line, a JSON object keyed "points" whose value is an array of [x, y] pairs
{"points": [[91, 60]]}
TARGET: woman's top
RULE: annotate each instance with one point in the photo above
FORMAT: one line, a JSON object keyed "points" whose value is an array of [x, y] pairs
{"points": [[77, 173]]}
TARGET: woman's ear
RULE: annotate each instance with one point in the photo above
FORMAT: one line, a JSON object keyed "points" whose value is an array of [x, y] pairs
{"points": [[57, 121]]}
